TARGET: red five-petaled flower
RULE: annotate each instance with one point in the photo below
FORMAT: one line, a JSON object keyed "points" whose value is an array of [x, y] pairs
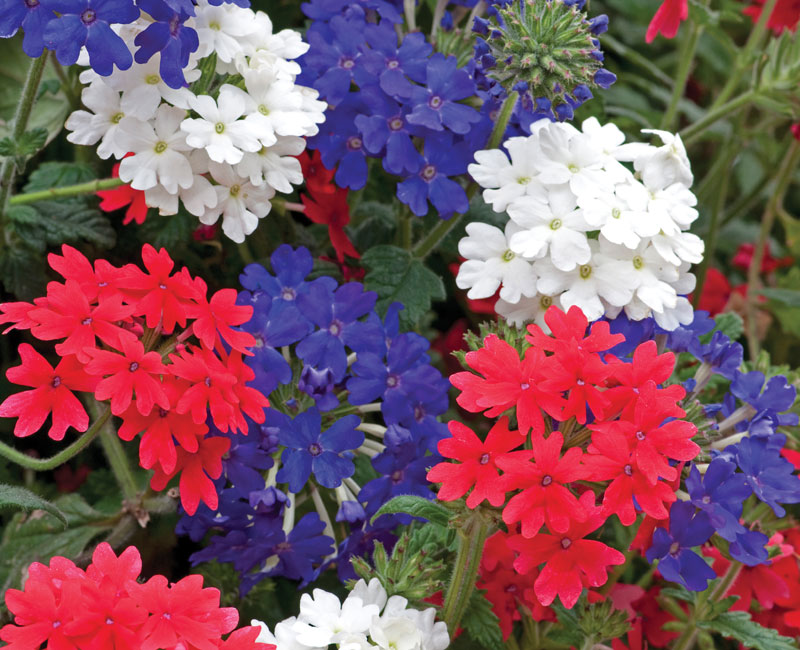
{"points": [[215, 317], [119, 197], [667, 19], [333, 211], [52, 393], [570, 561], [129, 372], [477, 467]]}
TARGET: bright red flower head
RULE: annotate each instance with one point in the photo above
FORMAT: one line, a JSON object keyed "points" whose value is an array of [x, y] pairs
{"points": [[249, 401], [569, 328], [96, 283], [667, 19], [332, 210], [544, 496], [317, 177], [132, 371], [744, 258], [716, 292], [245, 639], [571, 562], [215, 318], [786, 14], [119, 197], [51, 394], [505, 381], [477, 469]]}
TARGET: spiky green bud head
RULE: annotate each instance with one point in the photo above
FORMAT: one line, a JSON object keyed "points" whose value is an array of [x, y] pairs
{"points": [[546, 44], [601, 621]]}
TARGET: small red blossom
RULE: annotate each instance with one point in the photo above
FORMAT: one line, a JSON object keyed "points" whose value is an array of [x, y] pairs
{"points": [[570, 327], [161, 428], [570, 562], [744, 258], [505, 381], [332, 210], [163, 299], [17, 313], [51, 394], [69, 316], [249, 401], [796, 131], [582, 376], [317, 177], [477, 469], [667, 19], [785, 15], [716, 292], [96, 283], [544, 496], [245, 639], [119, 197], [216, 317], [132, 371], [196, 472]]}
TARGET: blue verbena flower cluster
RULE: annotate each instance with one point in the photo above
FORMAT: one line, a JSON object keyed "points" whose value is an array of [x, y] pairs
{"points": [[67, 26], [745, 451], [352, 423]]}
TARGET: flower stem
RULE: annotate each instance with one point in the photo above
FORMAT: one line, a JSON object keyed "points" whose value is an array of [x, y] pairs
{"points": [[117, 459], [688, 51], [696, 129], [21, 117], [443, 228], [70, 190], [468, 560], [410, 9], [45, 464], [774, 205]]}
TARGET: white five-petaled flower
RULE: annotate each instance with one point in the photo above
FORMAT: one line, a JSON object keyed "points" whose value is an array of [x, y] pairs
{"points": [[507, 180], [102, 123], [220, 130], [240, 203], [160, 152], [222, 29]]}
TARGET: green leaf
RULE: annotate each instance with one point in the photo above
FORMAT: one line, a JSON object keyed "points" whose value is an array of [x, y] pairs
{"points": [[22, 271], [416, 507], [740, 626], [481, 623], [58, 174], [18, 497], [681, 593], [789, 297], [65, 222], [168, 232], [568, 632], [50, 110], [397, 276], [730, 324]]}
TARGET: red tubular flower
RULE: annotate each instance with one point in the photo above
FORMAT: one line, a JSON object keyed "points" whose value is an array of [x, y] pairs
{"points": [[212, 384], [214, 318], [477, 468], [571, 562], [507, 381], [129, 372], [786, 14], [160, 297], [611, 458], [332, 210], [51, 394], [543, 498], [654, 441], [121, 196], [195, 469], [249, 401], [69, 315], [570, 327], [161, 428], [668, 18]]}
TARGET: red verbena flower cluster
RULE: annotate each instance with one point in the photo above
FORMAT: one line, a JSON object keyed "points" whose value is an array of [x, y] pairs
{"points": [[125, 335], [105, 608], [118, 197], [589, 427]]}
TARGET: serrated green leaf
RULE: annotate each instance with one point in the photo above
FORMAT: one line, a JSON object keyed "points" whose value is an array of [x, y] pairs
{"points": [[65, 222], [681, 593], [397, 276], [481, 623], [58, 174], [730, 324], [416, 507], [31, 141], [788, 297], [8, 147], [22, 271], [14, 496], [569, 631], [740, 626], [168, 232]]}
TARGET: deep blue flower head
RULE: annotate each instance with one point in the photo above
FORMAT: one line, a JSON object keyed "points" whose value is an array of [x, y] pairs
{"points": [[269, 501], [341, 143], [31, 17], [351, 512], [391, 65], [436, 104], [721, 493], [769, 474], [386, 132], [319, 384], [361, 543], [374, 335], [778, 395], [325, 10], [678, 563], [679, 339], [335, 318], [750, 547], [305, 546], [636, 332], [442, 158], [335, 49], [88, 23], [309, 450], [724, 356], [168, 35], [245, 460]]}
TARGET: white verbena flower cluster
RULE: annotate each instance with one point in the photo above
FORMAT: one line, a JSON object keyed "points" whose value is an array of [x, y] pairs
{"points": [[366, 619], [584, 228], [221, 156]]}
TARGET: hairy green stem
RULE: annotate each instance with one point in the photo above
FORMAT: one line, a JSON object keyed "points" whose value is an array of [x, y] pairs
{"points": [[410, 9], [774, 205], [45, 464], [468, 560], [21, 116], [443, 228], [69, 190], [743, 60], [694, 130], [117, 459], [688, 51]]}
